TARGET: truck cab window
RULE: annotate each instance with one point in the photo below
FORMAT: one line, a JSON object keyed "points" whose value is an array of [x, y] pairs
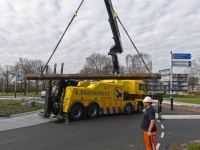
{"points": [[143, 87]]}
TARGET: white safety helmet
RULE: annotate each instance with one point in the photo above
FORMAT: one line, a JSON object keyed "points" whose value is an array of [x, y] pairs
{"points": [[147, 99]]}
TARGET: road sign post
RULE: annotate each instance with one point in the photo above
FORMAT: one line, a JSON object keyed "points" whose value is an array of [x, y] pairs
{"points": [[171, 82], [178, 64]]}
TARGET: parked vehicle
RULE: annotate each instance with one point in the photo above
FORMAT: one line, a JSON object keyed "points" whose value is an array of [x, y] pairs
{"points": [[43, 94]]}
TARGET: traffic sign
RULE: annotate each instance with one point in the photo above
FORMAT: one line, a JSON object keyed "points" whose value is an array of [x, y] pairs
{"points": [[164, 78], [10, 72], [164, 75], [181, 56], [164, 71], [18, 77], [181, 63]]}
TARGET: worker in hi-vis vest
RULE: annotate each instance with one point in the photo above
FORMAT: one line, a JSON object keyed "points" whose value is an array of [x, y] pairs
{"points": [[148, 124]]}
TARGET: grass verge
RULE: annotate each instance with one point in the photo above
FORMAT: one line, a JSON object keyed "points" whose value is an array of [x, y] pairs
{"points": [[194, 147], [11, 107], [21, 94], [185, 100]]}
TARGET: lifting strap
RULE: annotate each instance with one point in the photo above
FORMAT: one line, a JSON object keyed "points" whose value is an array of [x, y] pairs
{"points": [[133, 43], [75, 14]]}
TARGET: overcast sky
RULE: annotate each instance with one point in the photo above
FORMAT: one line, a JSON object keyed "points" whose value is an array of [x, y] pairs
{"points": [[32, 28]]}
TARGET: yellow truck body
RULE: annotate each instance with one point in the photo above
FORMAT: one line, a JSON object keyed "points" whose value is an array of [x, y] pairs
{"points": [[109, 96]]}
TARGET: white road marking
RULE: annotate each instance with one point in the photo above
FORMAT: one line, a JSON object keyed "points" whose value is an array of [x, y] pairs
{"points": [[157, 146], [180, 116], [162, 134], [162, 126], [158, 120], [167, 102]]}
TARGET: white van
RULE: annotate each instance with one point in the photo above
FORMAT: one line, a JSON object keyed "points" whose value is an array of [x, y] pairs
{"points": [[43, 94]]}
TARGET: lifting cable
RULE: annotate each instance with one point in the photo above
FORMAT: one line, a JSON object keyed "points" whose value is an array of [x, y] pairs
{"points": [[75, 14], [115, 14], [132, 43], [154, 77]]}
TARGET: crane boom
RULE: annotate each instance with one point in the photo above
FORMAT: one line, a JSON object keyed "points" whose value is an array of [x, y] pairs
{"points": [[117, 48]]}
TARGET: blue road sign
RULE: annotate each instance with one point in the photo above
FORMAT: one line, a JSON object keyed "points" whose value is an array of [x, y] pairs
{"points": [[181, 56], [181, 63], [164, 70]]}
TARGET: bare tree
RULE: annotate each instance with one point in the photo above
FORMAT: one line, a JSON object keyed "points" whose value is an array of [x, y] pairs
{"points": [[192, 81], [122, 69], [135, 64], [194, 73], [97, 64], [29, 66], [196, 66], [6, 76], [25, 67], [36, 69]]}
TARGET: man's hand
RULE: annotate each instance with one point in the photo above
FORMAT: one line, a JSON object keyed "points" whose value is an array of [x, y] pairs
{"points": [[149, 133]]}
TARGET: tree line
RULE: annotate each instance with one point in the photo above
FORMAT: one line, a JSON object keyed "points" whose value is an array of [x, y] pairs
{"points": [[8, 76], [95, 64]]}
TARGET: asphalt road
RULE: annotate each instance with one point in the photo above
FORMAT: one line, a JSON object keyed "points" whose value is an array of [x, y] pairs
{"points": [[113, 132], [179, 132]]}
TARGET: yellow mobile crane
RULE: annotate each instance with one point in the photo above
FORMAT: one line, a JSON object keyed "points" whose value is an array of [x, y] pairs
{"points": [[113, 94]]}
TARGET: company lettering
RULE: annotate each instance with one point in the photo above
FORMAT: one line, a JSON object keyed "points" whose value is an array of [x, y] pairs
{"points": [[96, 93]]}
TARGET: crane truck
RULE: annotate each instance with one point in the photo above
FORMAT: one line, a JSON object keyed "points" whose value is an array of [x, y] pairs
{"points": [[72, 99]]}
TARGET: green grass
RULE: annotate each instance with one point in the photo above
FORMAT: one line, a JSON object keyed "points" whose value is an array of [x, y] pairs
{"points": [[190, 98], [11, 107], [194, 147], [185, 100], [20, 94]]}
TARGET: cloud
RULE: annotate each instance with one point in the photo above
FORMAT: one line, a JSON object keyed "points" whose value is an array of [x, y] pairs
{"points": [[31, 29]]}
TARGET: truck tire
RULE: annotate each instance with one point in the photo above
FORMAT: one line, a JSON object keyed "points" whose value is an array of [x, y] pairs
{"points": [[128, 109], [76, 112], [92, 111], [139, 107]]}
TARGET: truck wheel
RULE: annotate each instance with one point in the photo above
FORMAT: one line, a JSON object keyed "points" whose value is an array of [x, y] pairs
{"points": [[139, 108], [92, 111], [128, 109], [76, 112]]}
